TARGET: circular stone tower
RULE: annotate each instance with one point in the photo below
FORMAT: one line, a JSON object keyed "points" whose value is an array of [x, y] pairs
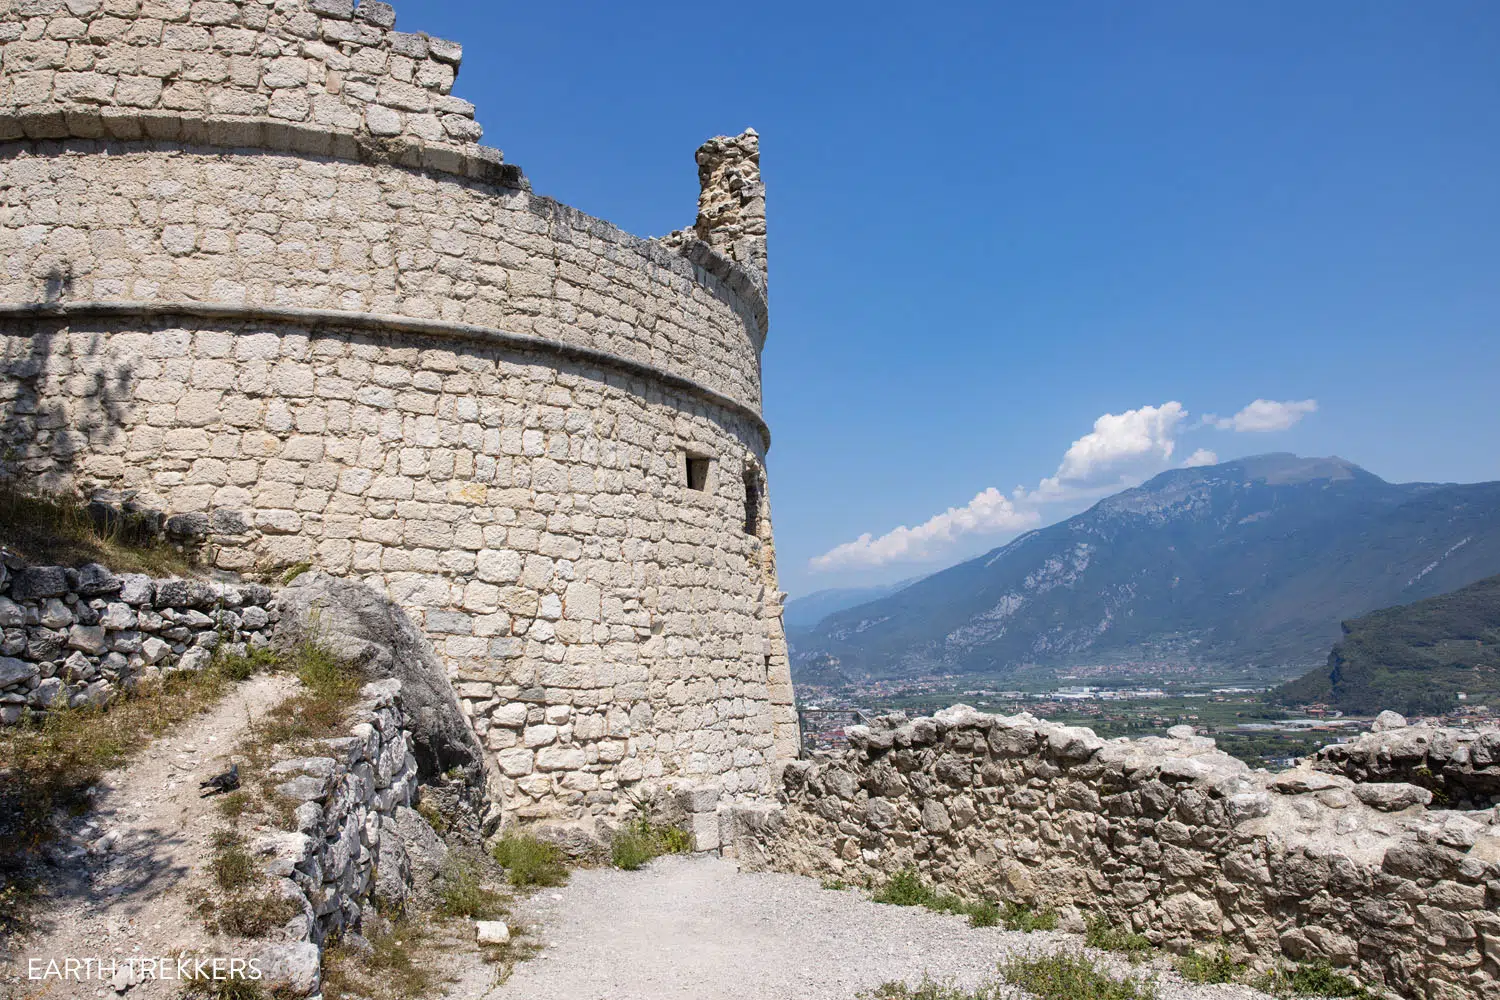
{"points": [[260, 278]]}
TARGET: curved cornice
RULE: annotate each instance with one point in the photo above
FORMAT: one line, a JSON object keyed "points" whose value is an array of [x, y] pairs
{"points": [[381, 323], [470, 162]]}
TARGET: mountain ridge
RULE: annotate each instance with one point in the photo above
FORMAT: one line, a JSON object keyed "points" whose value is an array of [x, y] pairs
{"points": [[1249, 562]]}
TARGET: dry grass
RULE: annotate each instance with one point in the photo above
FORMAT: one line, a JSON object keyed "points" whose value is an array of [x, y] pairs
{"points": [[54, 529], [389, 971]]}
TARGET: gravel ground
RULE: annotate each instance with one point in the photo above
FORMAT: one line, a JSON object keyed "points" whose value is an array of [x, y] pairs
{"points": [[696, 927]]}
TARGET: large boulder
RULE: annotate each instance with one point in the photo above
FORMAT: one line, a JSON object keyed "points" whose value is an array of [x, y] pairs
{"points": [[362, 627]]}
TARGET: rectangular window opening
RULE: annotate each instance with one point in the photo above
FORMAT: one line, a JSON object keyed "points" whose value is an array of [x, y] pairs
{"points": [[697, 473], [752, 502]]}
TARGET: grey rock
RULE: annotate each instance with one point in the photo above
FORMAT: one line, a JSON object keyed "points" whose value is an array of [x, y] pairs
{"points": [[56, 614], [304, 788], [95, 580], [88, 638], [48, 692], [36, 582], [79, 667], [137, 589], [382, 15], [118, 615], [293, 968], [1388, 720], [443, 50], [11, 614], [184, 594], [13, 671], [364, 628], [154, 650], [195, 659], [1392, 796]]}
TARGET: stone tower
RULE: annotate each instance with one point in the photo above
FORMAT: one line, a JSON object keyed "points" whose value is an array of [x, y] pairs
{"points": [[261, 279]]}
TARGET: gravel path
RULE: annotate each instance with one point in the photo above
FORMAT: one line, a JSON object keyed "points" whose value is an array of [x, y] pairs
{"points": [[696, 927], [124, 882]]}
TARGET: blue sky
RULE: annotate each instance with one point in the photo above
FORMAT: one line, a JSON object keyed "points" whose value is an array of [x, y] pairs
{"points": [[992, 225]]}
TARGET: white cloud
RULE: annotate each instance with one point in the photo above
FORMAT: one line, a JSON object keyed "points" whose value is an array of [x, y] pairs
{"points": [[1121, 447], [1123, 450], [1201, 457], [989, 512], [1266, 415]]}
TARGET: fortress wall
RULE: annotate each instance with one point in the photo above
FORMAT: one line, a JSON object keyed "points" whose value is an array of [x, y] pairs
{"points": [[604, 622], [90, 221], [1170, 838], [323, 63]]}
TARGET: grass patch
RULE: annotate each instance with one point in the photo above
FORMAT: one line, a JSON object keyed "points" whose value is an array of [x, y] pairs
{"points": [[641, 841], [1024, 918], [293, 571], [1314, 980], [232, 866], [56, 529], [834, 884], [318, 711], [387, 970], [931, 989], [1100, 933], [248, 915], [1210, 967], [225, 989], [49, 762], [906, 888], [1072, 977], [462, 892], [529, 861]]}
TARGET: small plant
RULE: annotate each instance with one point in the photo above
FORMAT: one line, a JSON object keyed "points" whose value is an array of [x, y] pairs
{"points": [[1210, 967], [1100, 933], [238, 988], [293, 571], [462, 892], [1072, 977], [250, 915], [234, 805], [834, 884], [931, 989], [984, 915], [905, 888], [388, 969], [641, 841], [1018, 917], [232, 866], [1316, 979], [530, 862], [433, 816]]}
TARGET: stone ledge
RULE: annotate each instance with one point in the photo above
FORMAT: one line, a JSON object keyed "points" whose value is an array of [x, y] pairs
{"points": [[386, 324]]}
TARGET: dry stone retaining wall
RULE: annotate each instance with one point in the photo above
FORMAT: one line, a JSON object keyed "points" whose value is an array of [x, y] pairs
{"points": [[1168, 837], [80, 637], [325, 338], [1459, 766]]}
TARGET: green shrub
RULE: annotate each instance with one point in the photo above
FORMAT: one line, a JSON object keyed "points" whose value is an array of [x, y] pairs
{"points": [[530, 862], [639, 841], [905, 888], [931, 989], [1072, 977], [1209, 967], [1100, 933], [984, 915], [462, 892], [1023, 918], [1316, 979], [834, 884]]}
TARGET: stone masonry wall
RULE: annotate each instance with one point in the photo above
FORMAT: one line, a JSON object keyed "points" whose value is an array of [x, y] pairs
{"points": [[1459, 766], [260, 280], [1168, 837], [80, 637], [321, 62]]}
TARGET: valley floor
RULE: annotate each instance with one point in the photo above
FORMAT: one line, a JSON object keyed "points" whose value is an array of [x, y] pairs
{"points": [[697, 927]]}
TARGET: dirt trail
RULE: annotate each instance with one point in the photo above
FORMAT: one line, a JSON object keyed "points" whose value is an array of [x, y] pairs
{"points": [[697, 927], [127, 880]]}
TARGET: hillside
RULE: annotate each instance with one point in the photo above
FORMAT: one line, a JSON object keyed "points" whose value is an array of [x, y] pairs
{"points": [[1251, 563], [1413, 659]]}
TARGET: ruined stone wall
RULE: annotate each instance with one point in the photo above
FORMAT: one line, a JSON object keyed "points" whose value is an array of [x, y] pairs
{"points": [[308, 341], [1168, 837]]}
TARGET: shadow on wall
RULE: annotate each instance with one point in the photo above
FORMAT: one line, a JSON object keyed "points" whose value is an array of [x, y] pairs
{"points": [[62, 397]]}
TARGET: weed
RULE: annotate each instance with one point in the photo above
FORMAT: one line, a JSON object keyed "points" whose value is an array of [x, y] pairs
{"points": [[641, 840], [232, 866], [1023, 918], [433, 816], [388, 969], [293, 571], [1100, 933], [530, 862], [1072, 977], [984, 915], [47, 528], [462, 892], [1210, 967], [234, 805], [834, 884], [905, 888], [931, 989], [250, 915], [1317, 980], [237, 988]]}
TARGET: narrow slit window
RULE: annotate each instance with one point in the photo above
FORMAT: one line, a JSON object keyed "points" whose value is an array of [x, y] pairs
{"points": [[752, 501], [697, 473]]}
